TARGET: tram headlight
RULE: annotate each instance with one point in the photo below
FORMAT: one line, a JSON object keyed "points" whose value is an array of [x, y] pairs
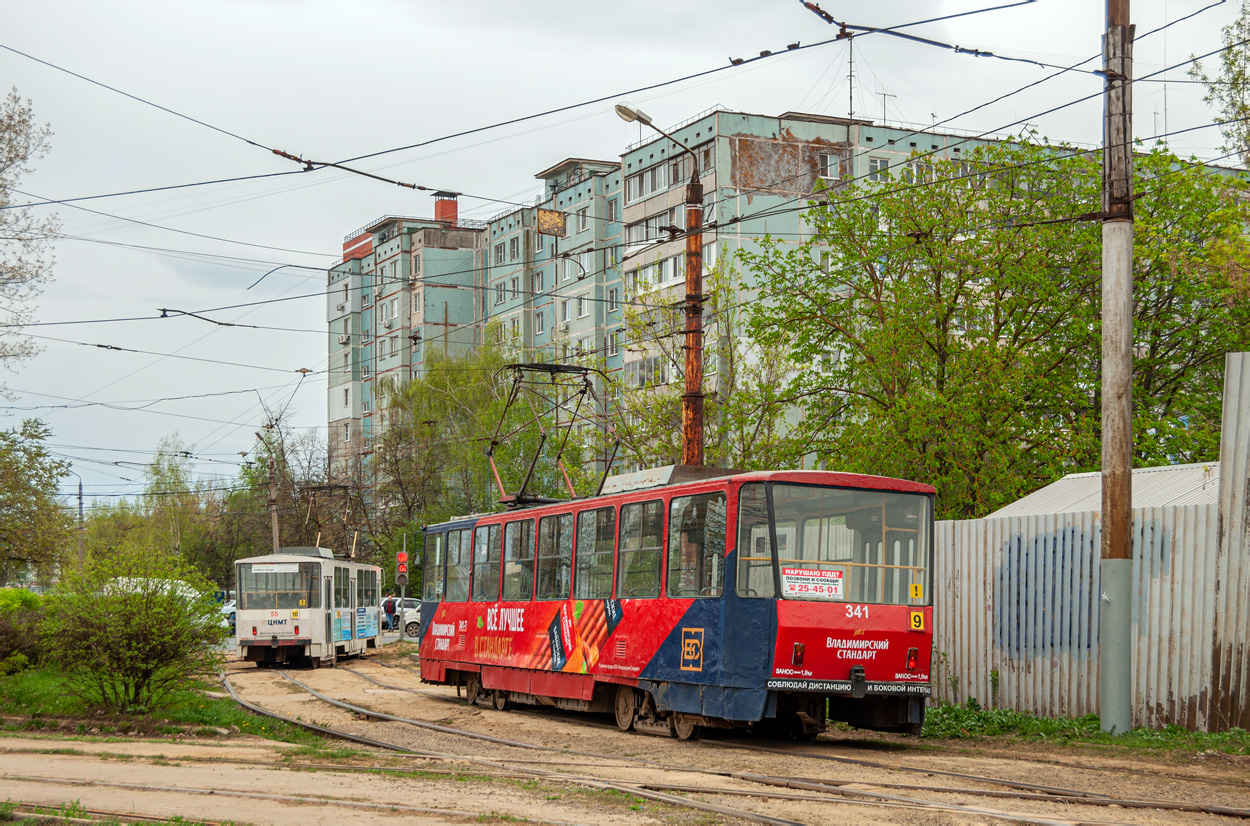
{"points": [[799, 650], [913, 658]]}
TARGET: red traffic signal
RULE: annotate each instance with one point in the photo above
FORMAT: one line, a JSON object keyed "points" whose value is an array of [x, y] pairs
{"points": [[401, 556], [402, 568]]}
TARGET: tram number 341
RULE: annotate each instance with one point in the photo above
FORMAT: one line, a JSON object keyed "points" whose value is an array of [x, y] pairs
{"points": [[857, 611]]}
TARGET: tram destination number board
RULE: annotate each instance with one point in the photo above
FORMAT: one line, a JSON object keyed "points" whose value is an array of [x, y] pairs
{"points": [[811, 582]]}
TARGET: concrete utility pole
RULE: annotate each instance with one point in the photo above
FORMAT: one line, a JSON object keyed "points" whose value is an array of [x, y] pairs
{"points": [[1115, 651], [273, 500]]}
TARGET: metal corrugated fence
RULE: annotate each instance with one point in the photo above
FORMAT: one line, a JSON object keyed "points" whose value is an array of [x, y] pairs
{"points": [[1016, 619]]}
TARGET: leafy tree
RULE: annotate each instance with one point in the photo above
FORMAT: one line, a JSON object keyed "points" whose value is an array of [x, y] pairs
{"points": [[33, 525], [945, 323], [129, 630], [1228, 89], [19, 640], [25, 257]]}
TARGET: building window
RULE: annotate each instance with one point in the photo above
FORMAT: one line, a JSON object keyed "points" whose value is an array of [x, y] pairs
{"points": [[347, 362], [515, 288], [499, 293], [564, 310], [633, 188], [539, 283], [364, 407], [364, 371], [705, 158], [587, 261], [610, 259], [540, 324], [830, 166], [612, 300], [878, 169], [613, 347], [416, 266], [514, 248], [499, 253], [347, 433], [583, 219], [395, 307], [613, 215], [648, 372], [516, 328], [347, 397], [394, 345], [583, 309]]}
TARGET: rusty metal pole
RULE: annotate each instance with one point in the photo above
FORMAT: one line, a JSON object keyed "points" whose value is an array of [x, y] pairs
{"points": [[1115, 640], [692, 400]]}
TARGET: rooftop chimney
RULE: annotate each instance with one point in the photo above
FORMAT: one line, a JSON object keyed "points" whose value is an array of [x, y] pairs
{"points": [[446, 207]]}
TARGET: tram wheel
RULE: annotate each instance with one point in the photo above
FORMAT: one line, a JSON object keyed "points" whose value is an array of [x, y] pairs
{"points": [[684, 727], [626, 707], [502, 703], [472, 688]]}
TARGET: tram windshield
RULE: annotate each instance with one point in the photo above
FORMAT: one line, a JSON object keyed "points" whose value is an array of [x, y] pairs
{"points": [[278, 585], [835, 544]]}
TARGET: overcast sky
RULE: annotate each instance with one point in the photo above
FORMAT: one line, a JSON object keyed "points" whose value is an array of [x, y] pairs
{"points": [[331, 81]]}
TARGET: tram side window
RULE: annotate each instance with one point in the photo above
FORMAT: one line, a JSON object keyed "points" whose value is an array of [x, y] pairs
{"points": [[596, 544], [642, 549], [696, 545], [487, 552], [342, 588], [434, 556], [555, 556], [459, 552], [518, 561], [366, 589], [755, 548]]}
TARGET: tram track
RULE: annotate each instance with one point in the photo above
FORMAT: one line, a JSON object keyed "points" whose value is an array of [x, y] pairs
{"points": [[825, 789], [1020, 790]]}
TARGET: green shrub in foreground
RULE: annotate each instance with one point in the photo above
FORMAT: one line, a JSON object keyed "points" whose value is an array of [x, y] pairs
{"points": [[20, 611], [129, 631]]}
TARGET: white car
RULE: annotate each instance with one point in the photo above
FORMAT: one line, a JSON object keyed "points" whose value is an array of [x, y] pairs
{"points": [[227, 614], [411, 608]]}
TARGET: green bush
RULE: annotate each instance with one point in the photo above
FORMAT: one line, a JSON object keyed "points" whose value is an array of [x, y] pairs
{"points": [[131, 631], [19, 619]]}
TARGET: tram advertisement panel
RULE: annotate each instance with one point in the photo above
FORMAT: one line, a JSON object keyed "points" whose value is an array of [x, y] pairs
{"points": [[573, 636]]}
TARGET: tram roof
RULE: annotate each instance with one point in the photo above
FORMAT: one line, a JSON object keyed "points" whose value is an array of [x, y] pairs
{"points": [[684, 476]]}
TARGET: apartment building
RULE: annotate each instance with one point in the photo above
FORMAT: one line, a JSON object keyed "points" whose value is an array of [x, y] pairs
{"points": [[559, 288], [404, 285]]}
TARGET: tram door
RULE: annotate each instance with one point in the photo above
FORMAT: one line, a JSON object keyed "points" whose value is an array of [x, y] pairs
{"points": [[329, 613], [351, 606]]}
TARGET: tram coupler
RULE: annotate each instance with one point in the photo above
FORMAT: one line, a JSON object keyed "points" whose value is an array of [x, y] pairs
{"points": [[859, 682]]}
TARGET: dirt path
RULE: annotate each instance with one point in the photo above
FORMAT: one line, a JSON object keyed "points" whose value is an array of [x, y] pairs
{"points": [[457, 779]]}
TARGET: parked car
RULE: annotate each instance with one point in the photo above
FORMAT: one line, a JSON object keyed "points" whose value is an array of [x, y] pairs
{"points": [[227, 614], [411, 608]]}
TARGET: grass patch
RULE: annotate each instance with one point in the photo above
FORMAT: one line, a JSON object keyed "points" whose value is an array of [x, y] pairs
{"points": [[970, 721], [40, 696]]}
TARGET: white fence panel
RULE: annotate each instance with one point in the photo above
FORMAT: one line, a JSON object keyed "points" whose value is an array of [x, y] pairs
{"points": [[1016, 616]]}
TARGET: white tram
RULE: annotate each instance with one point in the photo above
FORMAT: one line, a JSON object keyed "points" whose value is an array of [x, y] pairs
{"points": [[302, 604]]}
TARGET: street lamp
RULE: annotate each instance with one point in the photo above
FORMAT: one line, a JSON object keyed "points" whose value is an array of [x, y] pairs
{"points": [[692, 399]]}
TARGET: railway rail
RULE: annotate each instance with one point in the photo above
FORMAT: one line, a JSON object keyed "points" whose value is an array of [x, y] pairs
{"points": [[743, 785]]}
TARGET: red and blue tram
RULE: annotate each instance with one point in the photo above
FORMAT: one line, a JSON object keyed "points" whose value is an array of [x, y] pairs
{"points": [[771, 600]]}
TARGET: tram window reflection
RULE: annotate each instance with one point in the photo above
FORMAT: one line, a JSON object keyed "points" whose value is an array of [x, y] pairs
{"points": [[434, 557], [596, 544], [459, 552], [696, 545], [487, 553], [754, 576], [642, 550], [518, 561], [555, 556]]}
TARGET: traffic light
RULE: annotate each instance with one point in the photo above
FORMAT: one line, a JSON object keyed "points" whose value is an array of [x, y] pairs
{"points": [[401, 568]]}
